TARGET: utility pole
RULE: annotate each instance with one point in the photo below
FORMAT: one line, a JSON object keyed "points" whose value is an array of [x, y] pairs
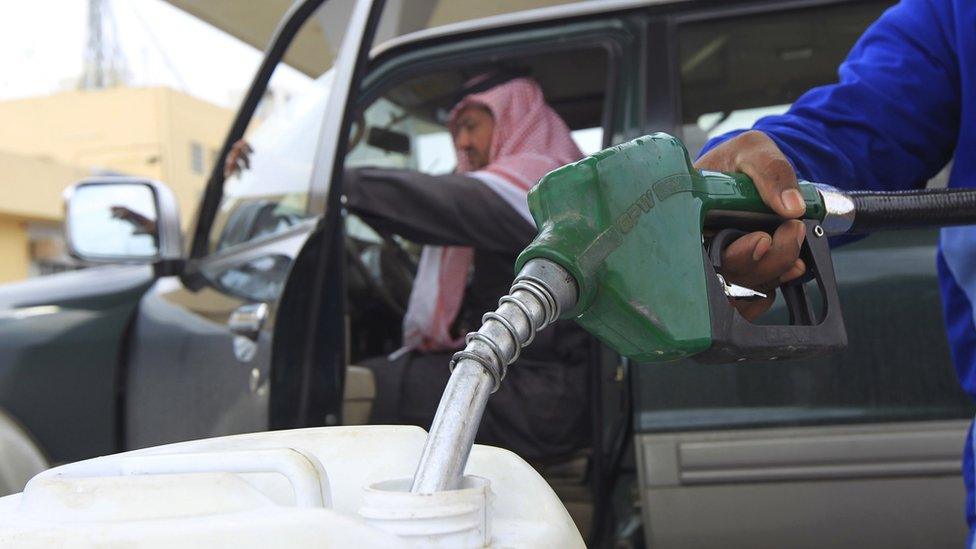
{"points": [[105, 66]]}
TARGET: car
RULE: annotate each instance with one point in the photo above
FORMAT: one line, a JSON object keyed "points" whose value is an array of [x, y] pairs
{"points": [[258, 320]]}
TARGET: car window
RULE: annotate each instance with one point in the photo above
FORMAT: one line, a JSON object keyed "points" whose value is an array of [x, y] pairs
{"points": [[395, 138], [387, 135], [734, 70], [268, 191], [406, 127], [589, 140], [260, 279]]}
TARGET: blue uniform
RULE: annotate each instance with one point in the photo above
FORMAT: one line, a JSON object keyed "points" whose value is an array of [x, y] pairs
{"points": [[905, 104]]}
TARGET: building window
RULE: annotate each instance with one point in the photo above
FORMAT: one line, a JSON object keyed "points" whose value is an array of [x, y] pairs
{"points": [[48, 252], [196, 157]]}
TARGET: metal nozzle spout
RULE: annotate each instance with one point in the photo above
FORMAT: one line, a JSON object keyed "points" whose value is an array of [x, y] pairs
{"points": [[541, 290]]}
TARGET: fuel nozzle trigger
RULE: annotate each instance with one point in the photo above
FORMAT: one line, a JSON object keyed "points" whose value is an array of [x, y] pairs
{"points": [[715, 246], [734, 291], [811, 331]]}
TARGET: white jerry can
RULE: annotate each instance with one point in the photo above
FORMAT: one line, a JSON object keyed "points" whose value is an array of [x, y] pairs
{"points": [[322, 487]]}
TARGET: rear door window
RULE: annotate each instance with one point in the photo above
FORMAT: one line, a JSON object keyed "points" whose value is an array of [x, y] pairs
{"points": [[733, 71]]}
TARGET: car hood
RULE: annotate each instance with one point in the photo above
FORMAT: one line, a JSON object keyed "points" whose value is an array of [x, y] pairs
{"points": [[97, 287]]}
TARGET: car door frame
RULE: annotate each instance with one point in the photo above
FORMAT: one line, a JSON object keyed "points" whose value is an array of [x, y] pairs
{"points": [[197, 270], [308, 354]]}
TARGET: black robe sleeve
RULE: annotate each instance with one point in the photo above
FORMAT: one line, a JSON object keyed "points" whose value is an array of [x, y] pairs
{"points": [[442, 210]]}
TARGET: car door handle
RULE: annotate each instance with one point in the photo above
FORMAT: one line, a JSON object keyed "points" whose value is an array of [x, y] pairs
{"points": [[247, 320]]}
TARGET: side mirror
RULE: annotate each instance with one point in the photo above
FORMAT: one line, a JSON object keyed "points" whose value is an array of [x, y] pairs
{"points": [[122, 220]]}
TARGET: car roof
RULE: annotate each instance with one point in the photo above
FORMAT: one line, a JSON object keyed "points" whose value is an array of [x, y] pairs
{"points": [[562, 11]]}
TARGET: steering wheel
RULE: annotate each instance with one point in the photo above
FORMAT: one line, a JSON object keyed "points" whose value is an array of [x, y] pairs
{"points": [[360, 132], [385, 269], [391, 277]]}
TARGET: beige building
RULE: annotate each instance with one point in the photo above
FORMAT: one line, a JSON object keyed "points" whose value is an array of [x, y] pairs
{"points": [[47, 143]]}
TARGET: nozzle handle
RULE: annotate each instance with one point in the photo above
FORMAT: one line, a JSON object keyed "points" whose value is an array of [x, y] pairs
{"points": [[810, 333], [740, 195], [737, 203]]}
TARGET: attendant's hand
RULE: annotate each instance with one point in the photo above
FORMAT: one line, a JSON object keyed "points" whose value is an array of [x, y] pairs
{"points": [[758, 260]]}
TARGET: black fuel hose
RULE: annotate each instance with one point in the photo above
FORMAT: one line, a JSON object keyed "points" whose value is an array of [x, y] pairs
{"points": [[875, 211]]}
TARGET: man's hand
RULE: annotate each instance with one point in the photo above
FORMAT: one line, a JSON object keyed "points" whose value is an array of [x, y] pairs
{"points": [[758, 260], [238, 159], [141, 223]]}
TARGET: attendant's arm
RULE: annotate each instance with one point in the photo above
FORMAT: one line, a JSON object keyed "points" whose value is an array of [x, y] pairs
{"points": [[446, 210], [890, 123]]}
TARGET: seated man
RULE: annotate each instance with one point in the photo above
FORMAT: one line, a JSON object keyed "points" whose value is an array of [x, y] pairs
{"points": [[473, 224]]}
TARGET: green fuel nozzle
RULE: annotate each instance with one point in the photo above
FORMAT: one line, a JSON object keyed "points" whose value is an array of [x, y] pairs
{"points": [[629, 246], [634, 225]]}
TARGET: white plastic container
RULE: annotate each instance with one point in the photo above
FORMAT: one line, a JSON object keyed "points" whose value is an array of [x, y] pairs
{"points": [[324, 487]]}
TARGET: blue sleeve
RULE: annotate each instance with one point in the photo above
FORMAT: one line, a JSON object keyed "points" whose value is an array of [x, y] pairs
{"points": [[892, 120]]}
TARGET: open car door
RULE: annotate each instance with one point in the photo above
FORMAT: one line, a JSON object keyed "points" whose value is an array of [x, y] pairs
{"points": [[201, 353]]}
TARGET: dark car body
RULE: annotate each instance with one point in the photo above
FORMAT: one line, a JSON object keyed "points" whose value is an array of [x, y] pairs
{"points": [[125, 356], [62, 350]]}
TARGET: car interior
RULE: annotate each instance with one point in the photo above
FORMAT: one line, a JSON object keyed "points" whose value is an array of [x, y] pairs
{"points": [[405, 128]]}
